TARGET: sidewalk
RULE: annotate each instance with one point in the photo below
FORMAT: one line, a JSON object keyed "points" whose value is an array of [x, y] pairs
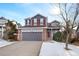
{"points": [[4, 43]]}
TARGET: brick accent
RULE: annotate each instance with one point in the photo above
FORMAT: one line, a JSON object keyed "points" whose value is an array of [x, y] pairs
{"points": [[31, 20], [44, 35], [44, 21], [19, 35]]}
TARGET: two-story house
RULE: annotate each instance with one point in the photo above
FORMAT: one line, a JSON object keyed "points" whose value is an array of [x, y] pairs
{"points": [[34, 29], [37, 28]]}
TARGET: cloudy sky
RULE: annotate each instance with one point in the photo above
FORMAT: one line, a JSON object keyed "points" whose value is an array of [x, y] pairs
{"points": [[19, 11]]}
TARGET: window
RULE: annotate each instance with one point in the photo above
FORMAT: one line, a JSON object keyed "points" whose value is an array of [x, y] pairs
{"points": [[27, 22], [3, 21], [35, 21], [54, 24], [41, 21]]}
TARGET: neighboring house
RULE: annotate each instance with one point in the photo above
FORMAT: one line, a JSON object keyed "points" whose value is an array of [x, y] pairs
{"points": [[53, 27], [2, 26], [37, 28]]}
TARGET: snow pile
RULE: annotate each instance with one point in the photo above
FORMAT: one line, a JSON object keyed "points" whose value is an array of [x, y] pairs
{"points": [[4, 43], [57, 49]]}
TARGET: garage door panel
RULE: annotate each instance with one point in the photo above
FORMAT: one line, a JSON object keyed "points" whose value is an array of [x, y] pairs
{"points": [[32, 36]]}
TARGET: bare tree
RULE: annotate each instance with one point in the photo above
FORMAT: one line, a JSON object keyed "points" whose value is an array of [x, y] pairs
{"points": [[69, 13]]}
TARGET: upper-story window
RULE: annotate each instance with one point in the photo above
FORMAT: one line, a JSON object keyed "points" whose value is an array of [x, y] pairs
{"points": [[28, 22], [35, 22], [54, 24], [2, 22], [41, 21]]}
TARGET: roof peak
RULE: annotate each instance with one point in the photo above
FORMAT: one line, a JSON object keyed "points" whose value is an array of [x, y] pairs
{"points": [[55, 21], [3, 18], [39, 15]]}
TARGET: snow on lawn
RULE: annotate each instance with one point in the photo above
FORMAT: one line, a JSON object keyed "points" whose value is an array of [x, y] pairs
{"points": [[4, 43], [57, 49]]}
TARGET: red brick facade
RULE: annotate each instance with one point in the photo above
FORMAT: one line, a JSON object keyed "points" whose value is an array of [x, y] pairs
{"points": [[38, 25], [38, 17]]}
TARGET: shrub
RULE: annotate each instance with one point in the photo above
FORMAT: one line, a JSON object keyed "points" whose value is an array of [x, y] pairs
{"points": [[57, 36]]}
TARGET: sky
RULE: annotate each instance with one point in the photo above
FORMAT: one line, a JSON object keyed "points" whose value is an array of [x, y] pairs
{"points": [[20, 11]]}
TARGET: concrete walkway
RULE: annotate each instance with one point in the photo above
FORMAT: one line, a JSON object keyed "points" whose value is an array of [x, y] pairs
{"points": [[22, 48]]}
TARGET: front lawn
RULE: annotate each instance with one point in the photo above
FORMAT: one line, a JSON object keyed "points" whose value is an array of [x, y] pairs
{"points": [[57, 49]]}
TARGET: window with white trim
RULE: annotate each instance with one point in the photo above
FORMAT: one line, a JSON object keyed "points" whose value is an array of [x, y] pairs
{"points": [[54, 24], [35, 22], [41, 21]]}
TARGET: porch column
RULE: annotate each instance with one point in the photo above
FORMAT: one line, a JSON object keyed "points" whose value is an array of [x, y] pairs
{"points": [[19, 35], [51, 34]]}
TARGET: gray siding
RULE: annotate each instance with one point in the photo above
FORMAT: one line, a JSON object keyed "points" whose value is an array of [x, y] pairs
{"points": [[32, 36]]}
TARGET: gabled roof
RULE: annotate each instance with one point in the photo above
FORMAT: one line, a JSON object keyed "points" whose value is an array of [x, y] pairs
{"points": [[27, 18], [55, 21], [38, 15], [35, 17], [3, 18]]}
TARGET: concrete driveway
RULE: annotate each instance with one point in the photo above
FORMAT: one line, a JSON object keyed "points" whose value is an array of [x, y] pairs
{"points": [[22, 48]]}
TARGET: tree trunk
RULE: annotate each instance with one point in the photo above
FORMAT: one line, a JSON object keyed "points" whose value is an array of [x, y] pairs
{"points": [[67, 39]]}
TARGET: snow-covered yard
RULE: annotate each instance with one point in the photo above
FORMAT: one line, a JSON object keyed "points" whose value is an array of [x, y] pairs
{"points": [[4, 43], [57, 49]]}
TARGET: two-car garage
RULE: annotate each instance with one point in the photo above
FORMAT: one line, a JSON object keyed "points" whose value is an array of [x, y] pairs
{"points": [[31, 34]]}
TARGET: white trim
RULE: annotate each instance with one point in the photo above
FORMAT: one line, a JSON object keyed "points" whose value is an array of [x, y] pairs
{"points": [[28, 22], [35, 21], [32, 30], [41, 21]]}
